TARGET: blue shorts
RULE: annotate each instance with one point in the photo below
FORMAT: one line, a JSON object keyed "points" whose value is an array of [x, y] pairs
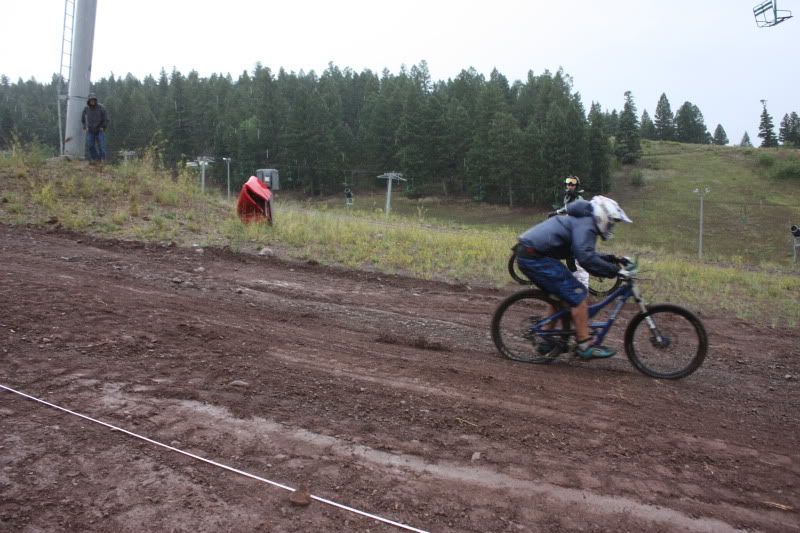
{"points": [[554, 278]]}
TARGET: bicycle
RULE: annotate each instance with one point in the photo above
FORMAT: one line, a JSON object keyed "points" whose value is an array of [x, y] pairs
{"points": [[598, 287], [523, 321]]}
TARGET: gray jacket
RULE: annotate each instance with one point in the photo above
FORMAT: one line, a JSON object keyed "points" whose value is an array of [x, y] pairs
{"points": [[573, 235], [94, 118]]}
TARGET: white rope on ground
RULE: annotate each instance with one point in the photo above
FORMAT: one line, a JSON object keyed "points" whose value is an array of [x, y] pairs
{"points": [[220, 465]]}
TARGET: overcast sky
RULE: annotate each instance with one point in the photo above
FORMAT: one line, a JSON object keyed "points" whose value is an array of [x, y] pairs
{"points": [[709, 52]]}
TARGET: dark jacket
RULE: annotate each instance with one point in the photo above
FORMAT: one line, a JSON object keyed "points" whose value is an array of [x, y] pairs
{"points": [[568, 236], [94, 118], [568, 199]]}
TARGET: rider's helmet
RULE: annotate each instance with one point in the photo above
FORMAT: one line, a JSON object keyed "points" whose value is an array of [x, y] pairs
{"points": [[606, 213], [572, 181]]}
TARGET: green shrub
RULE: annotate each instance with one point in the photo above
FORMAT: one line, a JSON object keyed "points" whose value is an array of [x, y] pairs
{"points": [[786, 169], [766, 160], [637, 178]]}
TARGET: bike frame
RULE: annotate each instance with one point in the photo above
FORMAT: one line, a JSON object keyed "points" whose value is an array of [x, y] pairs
{"points": [[599, 328]]}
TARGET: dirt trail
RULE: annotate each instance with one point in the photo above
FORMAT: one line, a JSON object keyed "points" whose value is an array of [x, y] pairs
{"points": [[379, 392]]}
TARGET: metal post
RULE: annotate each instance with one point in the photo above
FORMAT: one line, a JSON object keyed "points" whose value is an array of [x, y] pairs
{"points": [[203, 165], [702, 192], [700, 240], [388, 195], [390, 177], [80, 76], [228, 163]]}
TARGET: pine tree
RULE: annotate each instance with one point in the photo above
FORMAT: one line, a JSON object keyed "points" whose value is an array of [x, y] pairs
{"points": [[690, 126], [664, 120], [599, 152], [720, 137], [628, 145], [793, 136], [648, 128], [789, 132], [745, 142], [766, 130], [611, 123]]}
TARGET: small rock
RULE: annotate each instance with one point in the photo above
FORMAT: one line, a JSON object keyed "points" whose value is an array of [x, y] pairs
{"points": [[788, 376], [199, 250], [239, 291], [177, 280], [239, 383], [300, 497], [476, 456], [266, 251], [199, 269]]}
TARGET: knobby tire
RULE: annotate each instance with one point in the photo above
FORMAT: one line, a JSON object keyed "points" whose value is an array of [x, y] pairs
{"points": [[511, 324], [683, 332]]}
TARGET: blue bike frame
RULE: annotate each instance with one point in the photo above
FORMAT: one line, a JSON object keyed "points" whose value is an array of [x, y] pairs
{"points": [[599, 328]]}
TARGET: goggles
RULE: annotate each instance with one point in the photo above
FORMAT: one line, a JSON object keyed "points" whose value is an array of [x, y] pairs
{"points": [[571, 181]]}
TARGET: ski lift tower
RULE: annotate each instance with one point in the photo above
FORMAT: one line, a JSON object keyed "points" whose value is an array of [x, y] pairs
{"points": [[78, 38], [767, 14], [390, 177]]}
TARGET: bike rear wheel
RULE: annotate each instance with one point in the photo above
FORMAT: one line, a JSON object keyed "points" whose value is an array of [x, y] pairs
{"points": [[512, 326], [600, 287], [515, 272], [676, 346]]}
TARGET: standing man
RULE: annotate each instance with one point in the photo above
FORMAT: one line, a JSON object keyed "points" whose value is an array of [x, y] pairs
{"points": [[95, 122]]}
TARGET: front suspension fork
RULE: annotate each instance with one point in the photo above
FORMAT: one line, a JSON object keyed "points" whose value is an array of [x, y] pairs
{"points": [[655, 335]]}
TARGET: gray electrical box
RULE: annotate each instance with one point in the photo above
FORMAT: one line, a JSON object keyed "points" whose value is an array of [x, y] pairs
{"points": [[270, 177]]}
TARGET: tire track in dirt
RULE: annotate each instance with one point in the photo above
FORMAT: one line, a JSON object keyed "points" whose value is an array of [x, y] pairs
{"points": [[358, 369]]}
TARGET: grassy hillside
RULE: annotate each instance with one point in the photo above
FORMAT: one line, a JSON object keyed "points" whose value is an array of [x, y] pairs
{"points": [[747, 211], [432, 239]]}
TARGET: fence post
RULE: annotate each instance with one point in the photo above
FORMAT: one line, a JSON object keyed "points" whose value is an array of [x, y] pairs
{"points": [[702, 192]]}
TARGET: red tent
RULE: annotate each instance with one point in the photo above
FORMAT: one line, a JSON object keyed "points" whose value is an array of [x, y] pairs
{"points": [[254, 203]]}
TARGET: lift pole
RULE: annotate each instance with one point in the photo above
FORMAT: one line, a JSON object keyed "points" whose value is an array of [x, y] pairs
{"points": [[80, 76]]}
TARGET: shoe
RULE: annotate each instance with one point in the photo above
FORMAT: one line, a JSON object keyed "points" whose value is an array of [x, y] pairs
{"points": [[595, 352]]}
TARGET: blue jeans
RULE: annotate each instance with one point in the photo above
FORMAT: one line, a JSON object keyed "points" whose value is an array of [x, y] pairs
{"points": [[96, 145]]}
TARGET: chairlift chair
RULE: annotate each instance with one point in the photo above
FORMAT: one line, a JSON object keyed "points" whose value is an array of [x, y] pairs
{"points": [[767, 14]]}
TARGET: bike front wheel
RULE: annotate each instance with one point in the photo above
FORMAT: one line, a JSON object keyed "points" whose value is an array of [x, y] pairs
{"points": [[514, 332], [666, 342]]}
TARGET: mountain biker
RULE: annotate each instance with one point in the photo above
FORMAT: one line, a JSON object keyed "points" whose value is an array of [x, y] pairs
{"points": [[572, 192], [541, 248]]}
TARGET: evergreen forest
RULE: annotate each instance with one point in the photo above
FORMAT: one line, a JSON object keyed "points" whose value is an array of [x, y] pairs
{"points": [[485, 138]]}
